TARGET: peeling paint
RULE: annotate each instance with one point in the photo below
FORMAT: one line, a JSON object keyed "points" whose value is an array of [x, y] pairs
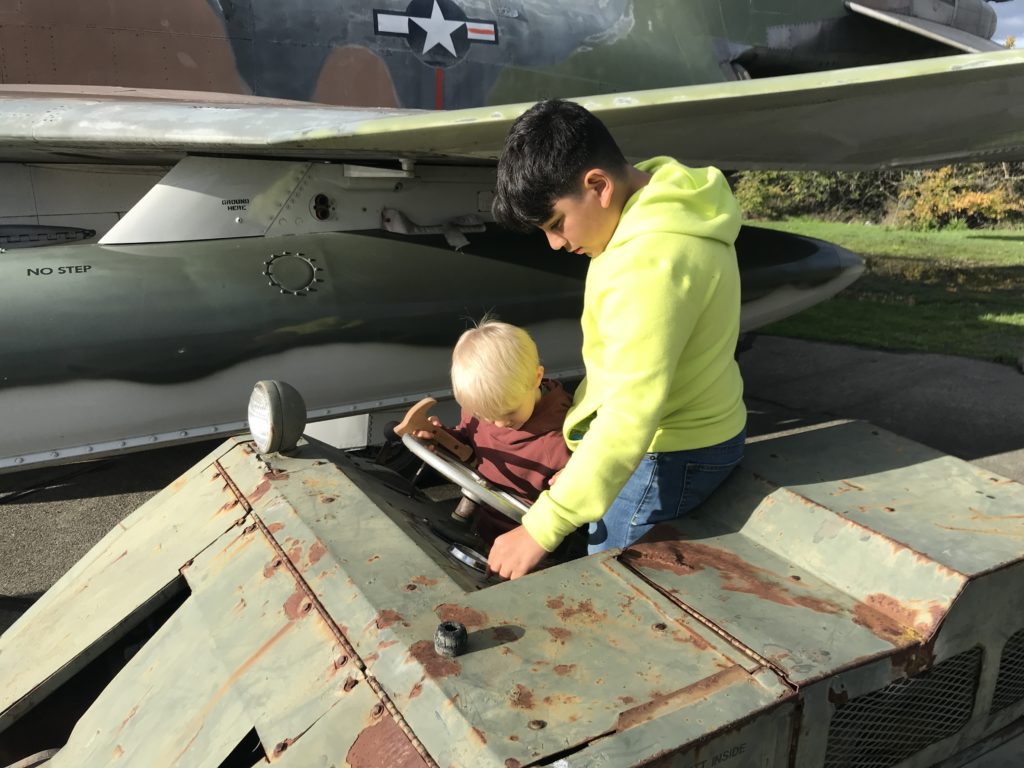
{"points": [[383, 743], [521, 697], [435, 666], [468, 616]]}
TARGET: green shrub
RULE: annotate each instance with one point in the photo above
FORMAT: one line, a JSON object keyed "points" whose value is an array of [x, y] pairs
{"points": [[962, 196]]}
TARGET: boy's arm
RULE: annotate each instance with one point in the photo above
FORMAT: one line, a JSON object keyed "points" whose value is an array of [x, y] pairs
{"points": [[647, 312]]}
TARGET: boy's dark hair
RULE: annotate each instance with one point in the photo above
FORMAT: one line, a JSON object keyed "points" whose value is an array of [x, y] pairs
{"points": [[547, 151]]}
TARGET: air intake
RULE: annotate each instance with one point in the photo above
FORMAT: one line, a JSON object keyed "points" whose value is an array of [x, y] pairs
{"points": [[1010, 683], [885, 727]]}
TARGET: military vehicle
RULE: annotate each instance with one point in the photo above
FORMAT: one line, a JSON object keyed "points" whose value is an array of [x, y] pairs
{"points": [[848, 598], [249, 234]]}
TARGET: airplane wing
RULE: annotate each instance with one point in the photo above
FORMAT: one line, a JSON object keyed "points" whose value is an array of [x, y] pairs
{"points": [[930, 111], [933, 30]]}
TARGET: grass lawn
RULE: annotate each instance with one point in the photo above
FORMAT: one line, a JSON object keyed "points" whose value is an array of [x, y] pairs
{"points": [[959, 293]]}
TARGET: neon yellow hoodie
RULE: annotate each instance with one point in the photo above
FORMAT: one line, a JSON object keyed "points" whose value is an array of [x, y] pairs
{"points": [[661, 312]]}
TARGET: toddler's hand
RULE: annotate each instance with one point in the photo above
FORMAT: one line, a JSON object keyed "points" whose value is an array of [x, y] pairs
{"points": [[553, 479], [428, 436]]}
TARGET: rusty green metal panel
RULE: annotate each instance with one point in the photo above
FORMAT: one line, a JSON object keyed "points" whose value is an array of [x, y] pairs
{"points": [[530, 652], [739, 636], [171, 705], [951, 512], [128, 571]]}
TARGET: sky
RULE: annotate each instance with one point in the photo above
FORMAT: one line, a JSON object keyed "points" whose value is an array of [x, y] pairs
{"points": [[1011, 21]]}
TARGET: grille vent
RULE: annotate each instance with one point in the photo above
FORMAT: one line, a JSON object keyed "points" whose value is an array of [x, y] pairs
{"points": [[1010, 683], [887, 726]]}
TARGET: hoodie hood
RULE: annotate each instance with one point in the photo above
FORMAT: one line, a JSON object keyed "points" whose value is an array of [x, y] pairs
{"points": [[682, 200]]}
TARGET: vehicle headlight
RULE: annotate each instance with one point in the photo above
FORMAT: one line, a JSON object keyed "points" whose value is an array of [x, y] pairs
{"points": [[277, 416]]}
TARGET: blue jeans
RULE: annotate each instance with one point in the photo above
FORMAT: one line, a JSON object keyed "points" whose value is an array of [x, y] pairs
{"points": [[665, 486]]}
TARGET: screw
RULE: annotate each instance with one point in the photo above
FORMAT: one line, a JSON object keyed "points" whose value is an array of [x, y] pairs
{"points": [[378, 710]]}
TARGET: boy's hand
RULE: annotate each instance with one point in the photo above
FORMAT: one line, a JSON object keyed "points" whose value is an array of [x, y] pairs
{"points": [[515, 554], [428, 435]]}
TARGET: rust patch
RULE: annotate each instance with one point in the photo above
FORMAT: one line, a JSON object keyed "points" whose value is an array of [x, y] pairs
{"points": [[845, 486], [128, 717], [687, 557], [558, 633], [561, 699], [582, 611], [295, 553], [905, 614], [416, 690], [883, 626], [564, 669], [373, 558], [505, 634], [388, 617], [522, 697], [118, 752], [387, 644], [275, 527], [556, 603], [383, 743], [434, 665], [298, 605], [269, 568], [259, 491], [661, 703], [423, 581], [282, 746], [316, 551], [512, 763], [661, 550], [471, 618], [227, 506], [626, 699], [480, 735], [691, 637]]}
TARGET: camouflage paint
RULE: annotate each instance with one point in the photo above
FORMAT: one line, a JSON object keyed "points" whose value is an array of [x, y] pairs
{"points": [[338, 53]]}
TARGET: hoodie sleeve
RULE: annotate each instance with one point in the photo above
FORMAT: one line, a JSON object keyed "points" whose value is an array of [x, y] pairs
{"points": [[646, 309]]}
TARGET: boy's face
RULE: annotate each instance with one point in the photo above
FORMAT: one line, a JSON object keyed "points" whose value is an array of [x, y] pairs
{"points": [[584, 223], [521, 414], [517, 417]]}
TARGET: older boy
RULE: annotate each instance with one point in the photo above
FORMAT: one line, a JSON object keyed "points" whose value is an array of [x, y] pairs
{"points": [[659, 420]]}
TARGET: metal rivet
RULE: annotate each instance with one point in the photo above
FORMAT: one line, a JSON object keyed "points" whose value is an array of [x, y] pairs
{"points": [[378, 710], [410, 587], [341, 661], [660, 627], [536, 725]]}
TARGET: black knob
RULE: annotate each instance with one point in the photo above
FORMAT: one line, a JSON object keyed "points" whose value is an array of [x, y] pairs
{"points": [[450, 639]]}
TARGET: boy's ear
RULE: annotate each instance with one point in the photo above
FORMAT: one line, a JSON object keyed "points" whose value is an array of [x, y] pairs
{"points": [[540, 375], [600, 183]]}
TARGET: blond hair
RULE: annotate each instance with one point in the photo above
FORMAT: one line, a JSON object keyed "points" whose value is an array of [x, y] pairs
{"points": [[494, 366]]}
